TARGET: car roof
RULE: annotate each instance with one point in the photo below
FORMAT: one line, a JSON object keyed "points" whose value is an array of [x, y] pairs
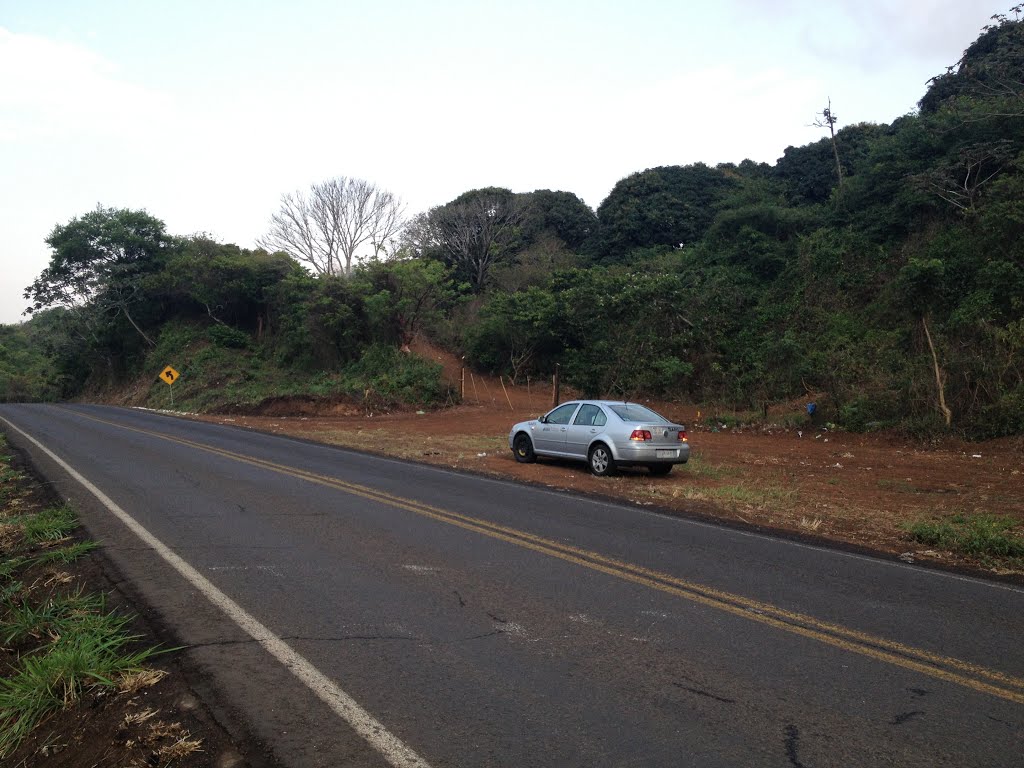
{"points": [[602, 402]]}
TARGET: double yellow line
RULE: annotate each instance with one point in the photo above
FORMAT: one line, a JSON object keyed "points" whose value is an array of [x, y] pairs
{"points": [[949, 669]]}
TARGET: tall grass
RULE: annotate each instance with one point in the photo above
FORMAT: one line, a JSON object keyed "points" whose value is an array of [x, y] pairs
{"points": [[979, 535], [56, 616], [52, 524], [72, 645], [91, 653]]}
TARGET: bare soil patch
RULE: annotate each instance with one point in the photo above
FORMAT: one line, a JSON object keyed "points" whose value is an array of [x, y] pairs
{"points": [[851, 489]]}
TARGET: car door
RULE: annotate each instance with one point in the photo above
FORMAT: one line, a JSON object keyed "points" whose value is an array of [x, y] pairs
{"points": [[589, 421], [549, 436]]}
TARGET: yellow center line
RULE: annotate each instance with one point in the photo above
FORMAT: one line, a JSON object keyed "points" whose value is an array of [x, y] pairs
{"points": [[935, 665]]}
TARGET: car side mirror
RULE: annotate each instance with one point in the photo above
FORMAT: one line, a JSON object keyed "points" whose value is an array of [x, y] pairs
{"points": [[542, 419]]}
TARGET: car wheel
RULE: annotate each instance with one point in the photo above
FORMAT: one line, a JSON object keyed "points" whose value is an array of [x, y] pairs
{"points": [[659, 470], [601, 462], [522, 448]]}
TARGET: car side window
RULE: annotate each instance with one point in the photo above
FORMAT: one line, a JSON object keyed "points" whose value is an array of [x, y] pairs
{"points": [[588, 416], [562, 414], [600, 419]]}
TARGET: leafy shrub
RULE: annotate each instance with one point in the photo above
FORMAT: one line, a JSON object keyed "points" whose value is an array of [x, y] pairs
{"points": [[226, 336], [387, 377], [1004, 417]]}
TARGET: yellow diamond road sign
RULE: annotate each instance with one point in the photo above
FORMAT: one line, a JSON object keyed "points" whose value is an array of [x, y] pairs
{"points": [[169, 375]]}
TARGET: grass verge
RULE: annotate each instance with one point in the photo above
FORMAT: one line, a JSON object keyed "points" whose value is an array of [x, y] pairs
{"points": [[57, 643], [987, 537]]}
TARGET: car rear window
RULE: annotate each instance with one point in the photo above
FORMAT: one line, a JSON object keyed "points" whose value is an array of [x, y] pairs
{"points": [[634, 412]]}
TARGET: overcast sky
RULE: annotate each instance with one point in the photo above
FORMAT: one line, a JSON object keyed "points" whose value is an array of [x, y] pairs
{"points": [[204, 113]]}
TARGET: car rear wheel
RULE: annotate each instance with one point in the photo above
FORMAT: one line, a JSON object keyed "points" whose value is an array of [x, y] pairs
{"points": [[601, 462], [522, 447], [659, 470]]}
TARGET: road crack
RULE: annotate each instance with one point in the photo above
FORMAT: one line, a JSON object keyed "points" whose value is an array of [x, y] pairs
{"points": [[903, 717], [706, 694]]}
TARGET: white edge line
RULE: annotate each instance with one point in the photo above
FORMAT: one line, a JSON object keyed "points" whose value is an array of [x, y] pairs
{"points": [[368, 727]]}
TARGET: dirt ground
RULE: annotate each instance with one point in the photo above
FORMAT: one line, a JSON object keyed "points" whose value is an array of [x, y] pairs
{"points": [[858, 490]]}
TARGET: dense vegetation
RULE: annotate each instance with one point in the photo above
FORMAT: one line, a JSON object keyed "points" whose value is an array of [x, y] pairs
{"points": [[879, 272]]}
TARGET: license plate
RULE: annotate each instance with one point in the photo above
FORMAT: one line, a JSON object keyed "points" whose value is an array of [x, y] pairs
{"points": [[665, 454]]}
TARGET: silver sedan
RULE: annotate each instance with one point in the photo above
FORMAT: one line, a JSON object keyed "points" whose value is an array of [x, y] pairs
{"points": [[606, 434]]}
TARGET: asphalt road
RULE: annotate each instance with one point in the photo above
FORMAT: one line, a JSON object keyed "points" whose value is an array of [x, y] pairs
{"points": [[405, 614]]}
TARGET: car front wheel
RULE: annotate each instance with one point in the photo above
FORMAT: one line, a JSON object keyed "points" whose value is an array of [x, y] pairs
{"points": [[601, 462], [522, 447]]}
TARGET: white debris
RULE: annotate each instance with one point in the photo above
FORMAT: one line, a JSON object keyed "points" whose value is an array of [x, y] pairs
{"points": [[420, 568]]}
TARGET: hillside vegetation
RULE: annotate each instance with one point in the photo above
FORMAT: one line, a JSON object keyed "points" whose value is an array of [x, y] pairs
{"points": [[879, 271]]}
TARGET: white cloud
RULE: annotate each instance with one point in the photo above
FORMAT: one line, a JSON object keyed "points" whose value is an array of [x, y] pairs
{"points": [[874, 35], [56, 89]]}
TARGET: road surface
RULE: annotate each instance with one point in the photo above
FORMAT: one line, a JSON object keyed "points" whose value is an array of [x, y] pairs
{"points": [[351, 610]]}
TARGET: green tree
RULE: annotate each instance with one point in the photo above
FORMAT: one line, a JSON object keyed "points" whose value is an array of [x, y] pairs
{"points": [[990, 70], [624, 332], [516, 333], [227, 284], [667, 206], [404, 296], [562, 215], [101, 259], [319, 323]]}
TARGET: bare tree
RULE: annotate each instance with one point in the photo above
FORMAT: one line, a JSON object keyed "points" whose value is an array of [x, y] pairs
{"points": [[338, 221], [828, 119], [962, 182], [474, 230]]}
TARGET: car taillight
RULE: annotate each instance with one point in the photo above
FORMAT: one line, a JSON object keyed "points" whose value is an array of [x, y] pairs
{"points": [[640, 434], [682, 436]]}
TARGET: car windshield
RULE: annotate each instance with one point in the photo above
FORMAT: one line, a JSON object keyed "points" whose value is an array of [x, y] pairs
{"points": [[634, 412]]}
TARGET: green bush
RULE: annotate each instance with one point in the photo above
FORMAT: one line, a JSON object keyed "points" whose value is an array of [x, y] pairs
{"points": [[1004, 417], [386, 377], [226, 336]]}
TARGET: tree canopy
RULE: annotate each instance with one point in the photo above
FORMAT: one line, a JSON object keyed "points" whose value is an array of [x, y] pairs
{"points": [[668, 206]]}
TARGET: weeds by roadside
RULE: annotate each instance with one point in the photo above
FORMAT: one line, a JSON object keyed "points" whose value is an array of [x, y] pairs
{"points": [[92, 652], [987, 537], [60, 645], [698, 466], [747, 494]]}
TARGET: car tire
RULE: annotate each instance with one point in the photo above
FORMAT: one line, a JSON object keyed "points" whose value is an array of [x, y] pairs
{"points": [[600, 460], [659, 470], [522, 449]]}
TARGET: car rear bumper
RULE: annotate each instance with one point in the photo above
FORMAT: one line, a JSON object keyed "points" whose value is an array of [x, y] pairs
{"points": [[638, 453]]}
